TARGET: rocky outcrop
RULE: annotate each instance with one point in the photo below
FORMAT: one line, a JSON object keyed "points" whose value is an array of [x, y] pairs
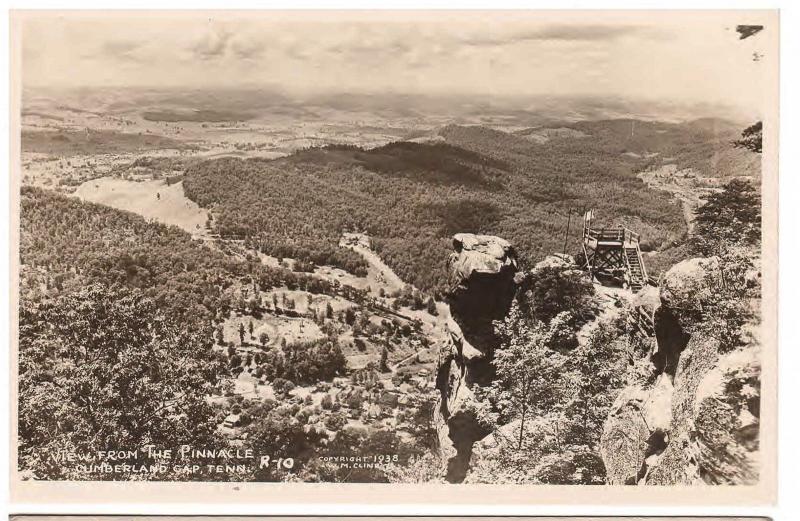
{"points": [[689, 286], [482, 270], [698, 421]]}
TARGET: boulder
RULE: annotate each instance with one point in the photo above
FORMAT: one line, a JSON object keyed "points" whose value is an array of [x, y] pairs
{"points": [[685, 289], [647, 299], [689, 285], [698, 421], [715, 419], [623, 444]]}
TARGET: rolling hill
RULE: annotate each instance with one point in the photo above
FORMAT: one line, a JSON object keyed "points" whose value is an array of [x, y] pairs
{"points": [[411, 197]]}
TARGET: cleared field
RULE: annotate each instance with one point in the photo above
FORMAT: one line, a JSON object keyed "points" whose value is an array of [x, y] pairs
{"points": [[211, 116], [90, 142], [277, 328], [150, 199]]}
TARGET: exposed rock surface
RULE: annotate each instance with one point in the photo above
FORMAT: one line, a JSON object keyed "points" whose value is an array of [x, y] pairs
{"points": [[482, 270], [697, 422], [556, 260], [689, 285]]}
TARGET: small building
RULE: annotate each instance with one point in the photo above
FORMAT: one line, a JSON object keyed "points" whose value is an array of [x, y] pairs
{"points": [[232, 421]]}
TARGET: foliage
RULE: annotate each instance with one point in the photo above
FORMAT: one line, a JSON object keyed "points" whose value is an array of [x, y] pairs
{"points": [[305, 362], [66, 244], [552, 290], [103, 368], [427, 468], [528, 370], [277, 433], [751, 138], [551, 404], [380, 443], [731, 312], [596, 371], [730, 218]]}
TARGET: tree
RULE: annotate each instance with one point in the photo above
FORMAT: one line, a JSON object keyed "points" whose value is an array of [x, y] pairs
{"points": [[384, 364], [596, 370], [250, 328], [430, 306], [328, 310], [334, 422], [279, 436], [282, 385], [729, 218], [350, 316], [106, 368], [751, 138], [241, 333], [551, 290], [529, 371], [307, 362], [263, 338]]}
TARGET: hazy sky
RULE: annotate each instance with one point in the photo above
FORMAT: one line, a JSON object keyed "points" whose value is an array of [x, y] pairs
{"points": [[679, 57]]}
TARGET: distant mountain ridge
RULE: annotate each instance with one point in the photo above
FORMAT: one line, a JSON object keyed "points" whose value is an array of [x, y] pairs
{"points": [[410, 197], [459, 108]]}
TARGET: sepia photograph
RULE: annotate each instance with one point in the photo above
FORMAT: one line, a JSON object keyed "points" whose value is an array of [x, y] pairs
{"points": [[457, 250]]}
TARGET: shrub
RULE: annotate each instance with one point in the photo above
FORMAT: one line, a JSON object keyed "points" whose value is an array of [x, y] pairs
{"points": [[552, 290]]}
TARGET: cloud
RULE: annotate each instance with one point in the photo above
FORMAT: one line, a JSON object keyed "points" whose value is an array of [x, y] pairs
{"points": [[118, 50], [213, 44], [222, 43], [568, 33], [247, 48]]}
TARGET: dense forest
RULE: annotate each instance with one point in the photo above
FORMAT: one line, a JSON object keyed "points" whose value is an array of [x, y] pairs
{"points": [[411, 197], [66, 244], [103, 368]]}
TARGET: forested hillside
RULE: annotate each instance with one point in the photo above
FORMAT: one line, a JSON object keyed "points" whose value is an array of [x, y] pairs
{"points": [[66, 244], [412, 197]]}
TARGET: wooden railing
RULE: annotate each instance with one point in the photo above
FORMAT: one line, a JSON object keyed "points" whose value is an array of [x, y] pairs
{"points": [[611, 234], [645, 277], [631, 236]]}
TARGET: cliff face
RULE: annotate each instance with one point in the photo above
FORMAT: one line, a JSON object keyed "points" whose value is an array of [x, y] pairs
{"points": [[696, 419], [482, 286]]}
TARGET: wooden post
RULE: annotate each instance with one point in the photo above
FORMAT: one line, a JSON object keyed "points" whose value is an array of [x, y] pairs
{"points": [[566, 234]]}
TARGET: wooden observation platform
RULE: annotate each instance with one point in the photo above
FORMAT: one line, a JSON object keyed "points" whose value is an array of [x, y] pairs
{"points": [[613, 253]]}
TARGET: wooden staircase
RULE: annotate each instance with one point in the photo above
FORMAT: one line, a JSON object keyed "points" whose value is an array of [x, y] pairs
{"points": [[637, 276]]}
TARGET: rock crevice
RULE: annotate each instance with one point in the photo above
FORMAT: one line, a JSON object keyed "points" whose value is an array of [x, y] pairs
{"points": [[693, 424]]}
